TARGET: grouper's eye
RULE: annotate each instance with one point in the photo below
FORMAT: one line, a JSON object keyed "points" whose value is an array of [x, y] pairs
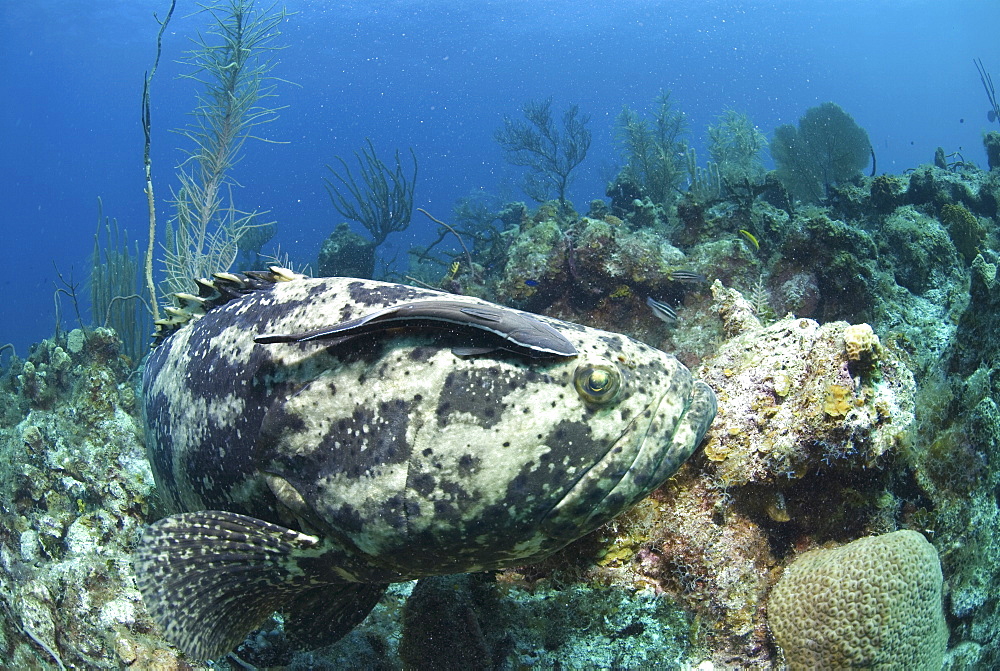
{"points": [[598, 383]]}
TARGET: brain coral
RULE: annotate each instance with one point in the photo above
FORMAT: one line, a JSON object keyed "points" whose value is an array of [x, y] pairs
{"points": [[873, 603]]}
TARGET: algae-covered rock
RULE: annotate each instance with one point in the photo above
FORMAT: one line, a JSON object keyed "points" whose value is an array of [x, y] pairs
{"points": [[472, 622], [789, 403], [966, 231], [919, 247], [595, 271], [536, 263], [843, 259], [346, 254], [991, 142], [937, 186]]}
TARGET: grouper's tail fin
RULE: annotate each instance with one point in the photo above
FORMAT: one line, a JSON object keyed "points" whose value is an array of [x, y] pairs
{"points": [[211, 577]]}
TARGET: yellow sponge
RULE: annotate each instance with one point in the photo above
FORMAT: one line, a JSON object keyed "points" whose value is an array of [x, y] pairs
{"points": [[861, 343], [873, 603]]}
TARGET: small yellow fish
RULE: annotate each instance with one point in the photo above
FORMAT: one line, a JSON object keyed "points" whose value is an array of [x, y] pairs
{"points": [[750, 236], [452, 271]]}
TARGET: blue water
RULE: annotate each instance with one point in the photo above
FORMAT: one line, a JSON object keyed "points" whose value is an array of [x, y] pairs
{"points": [[439, 76]]}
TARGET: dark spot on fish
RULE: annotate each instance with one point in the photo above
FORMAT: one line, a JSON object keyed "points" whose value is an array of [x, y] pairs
{"points": [[320, 289], [445, 510], [360, 446], [519, 487], [345, 517], [412, 508], [612, 341], [422, 483], [422, 354], [392, 512], [468, 464], [475, 391], [384, 295]]}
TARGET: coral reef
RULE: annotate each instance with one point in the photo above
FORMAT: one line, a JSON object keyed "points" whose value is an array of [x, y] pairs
{"points": [[873, 603], [346, 254], [596, 271], [76, 488], [826, 431], [476, 622], [851, 342]]}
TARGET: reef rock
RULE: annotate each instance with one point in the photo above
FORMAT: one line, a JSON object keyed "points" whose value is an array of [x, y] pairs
{"points": [[798, 396], [75, 486]]}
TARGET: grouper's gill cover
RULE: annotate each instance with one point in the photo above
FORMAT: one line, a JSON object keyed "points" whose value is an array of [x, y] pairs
{"points": [[332, 468]]}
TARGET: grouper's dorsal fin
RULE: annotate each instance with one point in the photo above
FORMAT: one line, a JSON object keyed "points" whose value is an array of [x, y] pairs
{"points": [[209, 578], [222, 288]]}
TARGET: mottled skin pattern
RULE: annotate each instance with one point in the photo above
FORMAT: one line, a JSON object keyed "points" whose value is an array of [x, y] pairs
{"points": [[408, 459]]}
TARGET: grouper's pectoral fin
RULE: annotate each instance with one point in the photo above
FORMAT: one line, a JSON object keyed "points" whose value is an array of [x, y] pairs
{"points": [[325, 614], [209, 578]]}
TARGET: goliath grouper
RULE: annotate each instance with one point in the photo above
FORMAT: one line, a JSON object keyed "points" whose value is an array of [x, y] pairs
{"points": [[322, 438]]}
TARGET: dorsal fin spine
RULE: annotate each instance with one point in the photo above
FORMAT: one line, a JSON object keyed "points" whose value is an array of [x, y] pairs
{"points": [[222, 288]]}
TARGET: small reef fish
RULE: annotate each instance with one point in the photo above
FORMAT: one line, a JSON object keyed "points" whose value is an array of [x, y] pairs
{"points": [[684, 275], [317, 439], [662, 311], [752, 238], [452, 271]]}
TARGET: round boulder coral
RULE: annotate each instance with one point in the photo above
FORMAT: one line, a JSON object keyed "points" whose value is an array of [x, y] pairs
{"points": [[873, 603]]}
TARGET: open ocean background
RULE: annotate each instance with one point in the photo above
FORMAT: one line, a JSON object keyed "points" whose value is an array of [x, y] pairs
{"points": [[439, 76]]}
